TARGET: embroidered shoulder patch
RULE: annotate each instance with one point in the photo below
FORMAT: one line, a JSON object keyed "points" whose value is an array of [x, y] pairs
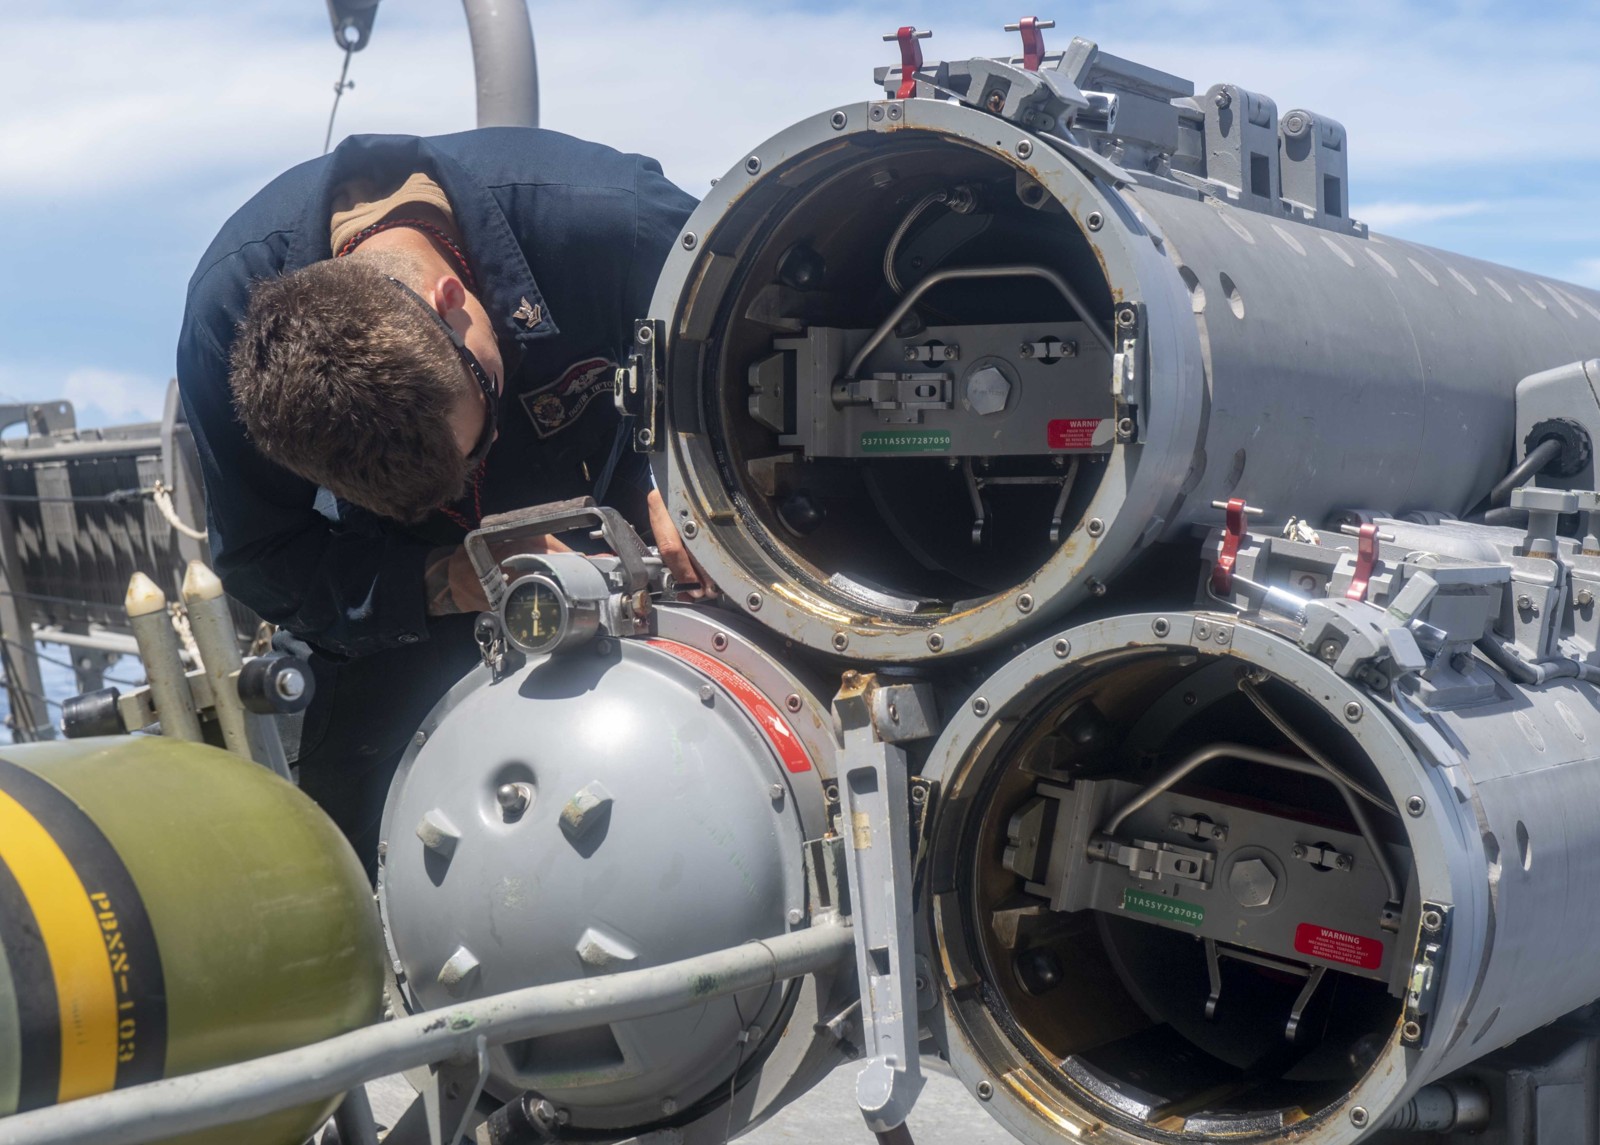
{"points": [[553, 407]]}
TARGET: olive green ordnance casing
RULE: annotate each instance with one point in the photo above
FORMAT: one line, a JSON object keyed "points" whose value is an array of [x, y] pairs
{"points": [[166, 907]]}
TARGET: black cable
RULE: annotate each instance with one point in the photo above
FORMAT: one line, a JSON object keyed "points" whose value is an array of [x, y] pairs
{"points": [[115, 497], [77, 602], [1542, 455], [4, 686], [22, 721], [338, 93], [46, 658]]}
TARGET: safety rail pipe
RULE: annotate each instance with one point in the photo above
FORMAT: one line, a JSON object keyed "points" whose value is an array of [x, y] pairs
{"points": [[160, 1110]]}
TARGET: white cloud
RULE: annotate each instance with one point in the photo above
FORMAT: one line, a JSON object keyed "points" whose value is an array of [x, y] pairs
{"points": [[1392, 215], [99, 396], [224, 90], [106, 397]]}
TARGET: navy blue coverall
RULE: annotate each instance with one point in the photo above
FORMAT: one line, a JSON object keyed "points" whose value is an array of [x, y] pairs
{"points": [[566, 239]]}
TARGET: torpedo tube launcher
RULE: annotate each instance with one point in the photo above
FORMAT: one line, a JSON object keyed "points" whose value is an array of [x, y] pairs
{"points": [[1158, 674]]}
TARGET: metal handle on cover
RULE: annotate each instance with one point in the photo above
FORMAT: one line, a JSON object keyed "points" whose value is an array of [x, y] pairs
{"points": [[556, 517]]}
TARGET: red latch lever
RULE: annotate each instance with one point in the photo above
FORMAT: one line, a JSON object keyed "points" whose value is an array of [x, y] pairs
{"points": [[1032, 29], [910, 59], [1367, 538], [1233, 534]]}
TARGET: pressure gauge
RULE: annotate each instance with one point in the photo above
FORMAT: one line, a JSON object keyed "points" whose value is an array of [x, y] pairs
{"points": [[540, 615], [535, 615]]}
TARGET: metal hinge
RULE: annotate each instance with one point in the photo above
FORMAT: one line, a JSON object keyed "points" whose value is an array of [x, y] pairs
{"points": [[1128, 370], [1422, 987], [638, 388]]}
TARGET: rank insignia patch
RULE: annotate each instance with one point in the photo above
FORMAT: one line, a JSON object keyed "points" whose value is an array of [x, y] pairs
{"points": [[553, 407]]}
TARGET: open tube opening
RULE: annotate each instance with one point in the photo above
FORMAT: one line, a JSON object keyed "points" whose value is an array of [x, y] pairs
{"points": [[947, 462], [1177, 916]]}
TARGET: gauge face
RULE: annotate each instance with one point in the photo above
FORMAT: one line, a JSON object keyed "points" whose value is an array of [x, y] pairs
{"points": [[535, 615]]}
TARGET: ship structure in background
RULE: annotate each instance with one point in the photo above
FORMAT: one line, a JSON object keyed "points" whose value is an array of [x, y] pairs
{"points": [[1159, 669]]}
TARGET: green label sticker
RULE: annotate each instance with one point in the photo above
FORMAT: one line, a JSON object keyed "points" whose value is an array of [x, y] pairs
{"points": [[1158, 906], [905, 441]]}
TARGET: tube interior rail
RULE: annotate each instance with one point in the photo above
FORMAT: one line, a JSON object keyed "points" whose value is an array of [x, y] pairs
{"points": [[176, 1106], [956, 273], [1271, 759]]}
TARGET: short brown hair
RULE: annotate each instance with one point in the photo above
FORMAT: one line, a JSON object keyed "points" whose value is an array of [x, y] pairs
{"points": [[341, 379]]}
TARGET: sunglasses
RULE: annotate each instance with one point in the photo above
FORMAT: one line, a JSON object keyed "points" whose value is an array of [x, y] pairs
{"points": [[491, 395]]}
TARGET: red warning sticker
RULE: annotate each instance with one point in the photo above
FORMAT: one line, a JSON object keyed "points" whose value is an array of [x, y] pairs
{"points": [[1077, 432], [1336, 946]]}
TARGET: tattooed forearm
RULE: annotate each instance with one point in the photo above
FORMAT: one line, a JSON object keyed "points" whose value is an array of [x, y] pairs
{"points": [[436, 582]]}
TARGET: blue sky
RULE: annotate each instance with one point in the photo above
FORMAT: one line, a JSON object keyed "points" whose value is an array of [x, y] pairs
{"points": [[129, 132]]}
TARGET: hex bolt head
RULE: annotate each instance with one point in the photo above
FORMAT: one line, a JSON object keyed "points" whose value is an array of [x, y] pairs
{"points": [[290, 684], [792, 702], [420, 738], [1252, 883], [985, 1090], [1432, 920], [1025, 602], [753, 602], [1352, 712], [876, 113], [1062, 649], [690, 530], [935, 642], [1160, 626], [1096, 526], [1097, 587], [841, 641], [689, 240], [753, 164], [719, 642], [796, 916], [1024, 148], [775, 792], [980, 706], [708, 694], [1358, 1115], [839, 119], [1411, 1031], [1095, 220], [669, 1106], [1202, 630], [1415, 806]]}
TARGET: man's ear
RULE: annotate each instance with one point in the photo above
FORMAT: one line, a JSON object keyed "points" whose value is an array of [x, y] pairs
{"points": [[447, 294]]}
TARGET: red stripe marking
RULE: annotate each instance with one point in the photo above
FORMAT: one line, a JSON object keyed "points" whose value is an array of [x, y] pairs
{"points": [[772, 724]]}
